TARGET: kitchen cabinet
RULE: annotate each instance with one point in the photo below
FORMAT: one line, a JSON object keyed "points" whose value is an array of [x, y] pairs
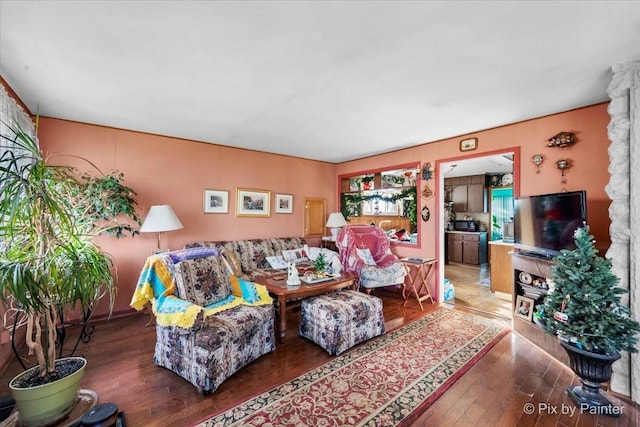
{"points": [[476, 198], [454, 246], [459, 198], [470, 250], [467, 248], [467, 193]]}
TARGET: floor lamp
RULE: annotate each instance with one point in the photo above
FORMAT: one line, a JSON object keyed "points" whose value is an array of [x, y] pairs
{"points": [[160, 218]]}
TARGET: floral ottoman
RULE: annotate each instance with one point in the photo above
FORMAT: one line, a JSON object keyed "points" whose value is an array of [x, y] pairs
{"points": [[340, 320]]}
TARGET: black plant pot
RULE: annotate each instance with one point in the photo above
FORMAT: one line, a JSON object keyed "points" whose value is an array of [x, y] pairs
{"points": [[593, 370]]}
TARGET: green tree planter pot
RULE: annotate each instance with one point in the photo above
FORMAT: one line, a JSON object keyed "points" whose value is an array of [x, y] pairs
{"points": [[45, 404]]}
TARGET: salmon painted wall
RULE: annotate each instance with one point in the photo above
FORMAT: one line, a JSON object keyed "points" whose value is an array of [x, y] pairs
{"points": [[589, 171], [164, 170], [168, 170]]}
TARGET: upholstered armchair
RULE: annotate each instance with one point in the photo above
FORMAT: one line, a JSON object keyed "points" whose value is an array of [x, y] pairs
{"points": [[364, 251]]}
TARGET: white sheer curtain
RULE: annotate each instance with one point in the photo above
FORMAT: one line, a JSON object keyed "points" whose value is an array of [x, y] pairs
{"points": [[12, 115]]}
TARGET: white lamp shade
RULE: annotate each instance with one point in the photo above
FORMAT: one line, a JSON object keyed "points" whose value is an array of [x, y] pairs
{"points": [[336, 220], [160, 218]]}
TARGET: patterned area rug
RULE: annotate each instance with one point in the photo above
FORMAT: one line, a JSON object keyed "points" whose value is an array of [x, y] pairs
{"points": [[387, 381]]}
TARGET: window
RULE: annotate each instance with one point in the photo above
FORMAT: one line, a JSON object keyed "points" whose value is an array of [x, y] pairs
{"points": [[386, 198], [501, 210], [12, 116]]}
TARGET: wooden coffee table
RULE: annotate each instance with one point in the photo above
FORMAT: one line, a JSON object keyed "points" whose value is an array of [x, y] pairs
{"points": [[284, 293]]}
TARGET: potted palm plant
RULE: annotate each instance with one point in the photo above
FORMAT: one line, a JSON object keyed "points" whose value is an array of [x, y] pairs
{"points": [[49, 263], [584, 311]]}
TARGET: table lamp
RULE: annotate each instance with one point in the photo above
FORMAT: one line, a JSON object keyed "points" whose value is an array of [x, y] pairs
{"points": [[160, 218], [335, 221]]}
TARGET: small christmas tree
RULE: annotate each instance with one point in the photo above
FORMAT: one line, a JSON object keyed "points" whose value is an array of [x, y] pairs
{"points": [[583, 304], [320, 264]]}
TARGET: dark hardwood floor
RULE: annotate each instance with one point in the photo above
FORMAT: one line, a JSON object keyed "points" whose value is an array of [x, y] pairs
{"points": [[493, 392]]}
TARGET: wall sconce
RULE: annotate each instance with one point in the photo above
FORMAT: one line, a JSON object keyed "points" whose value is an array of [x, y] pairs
{"points": [[562, 140], [427, 171], [537, 160], [563, 165]]}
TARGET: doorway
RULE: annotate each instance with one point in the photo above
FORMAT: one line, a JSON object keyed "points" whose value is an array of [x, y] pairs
{"points": [[500, 204], [469, 277]]}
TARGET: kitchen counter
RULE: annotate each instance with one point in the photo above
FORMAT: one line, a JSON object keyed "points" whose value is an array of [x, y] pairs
{"points": [[501, 242], [501, 271]]}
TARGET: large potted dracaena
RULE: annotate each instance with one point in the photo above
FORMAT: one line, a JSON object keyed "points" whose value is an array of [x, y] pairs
{"points": [[583, 309], [49, 263]]}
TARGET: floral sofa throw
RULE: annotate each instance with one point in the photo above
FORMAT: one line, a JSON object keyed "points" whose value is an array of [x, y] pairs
{"points": [[249, 258], [208, 324], [365, 252]]}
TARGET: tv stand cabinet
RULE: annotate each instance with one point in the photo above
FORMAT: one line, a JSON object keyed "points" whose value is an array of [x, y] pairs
{"points": [[538, 269]]}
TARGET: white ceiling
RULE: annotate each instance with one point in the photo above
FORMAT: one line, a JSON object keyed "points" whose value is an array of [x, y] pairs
{"points": [[478, 166], [325, 80]]}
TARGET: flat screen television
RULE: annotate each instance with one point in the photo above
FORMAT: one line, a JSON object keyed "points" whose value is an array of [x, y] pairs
{"points": [[543, 225]]}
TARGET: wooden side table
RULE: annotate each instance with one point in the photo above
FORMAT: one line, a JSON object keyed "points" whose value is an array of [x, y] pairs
{"points": [[418, 271], [329, 244]]}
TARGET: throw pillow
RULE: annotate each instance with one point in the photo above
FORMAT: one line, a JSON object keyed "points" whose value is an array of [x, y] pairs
{"points": [[233, 262], [365, 255], [314, 252], [276, 262], [202, 281], [295, 255], [243, 289]]}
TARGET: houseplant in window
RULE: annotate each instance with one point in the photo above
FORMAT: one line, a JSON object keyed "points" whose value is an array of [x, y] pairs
{"points": [[49, 263], [584, 311], [366, 182]]}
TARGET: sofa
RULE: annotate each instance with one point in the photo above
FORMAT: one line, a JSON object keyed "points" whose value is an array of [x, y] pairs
{"points": [[209, 324], [253, 258]]}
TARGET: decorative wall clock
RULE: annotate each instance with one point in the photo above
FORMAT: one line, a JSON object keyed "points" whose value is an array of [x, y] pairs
{"points": [[537, 160], [507, 179]]}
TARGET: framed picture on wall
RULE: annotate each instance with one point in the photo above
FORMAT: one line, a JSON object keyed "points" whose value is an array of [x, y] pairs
{"points": [[524, 307], [469, 144], [253, 203], [284, 203], [216, 201]]}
